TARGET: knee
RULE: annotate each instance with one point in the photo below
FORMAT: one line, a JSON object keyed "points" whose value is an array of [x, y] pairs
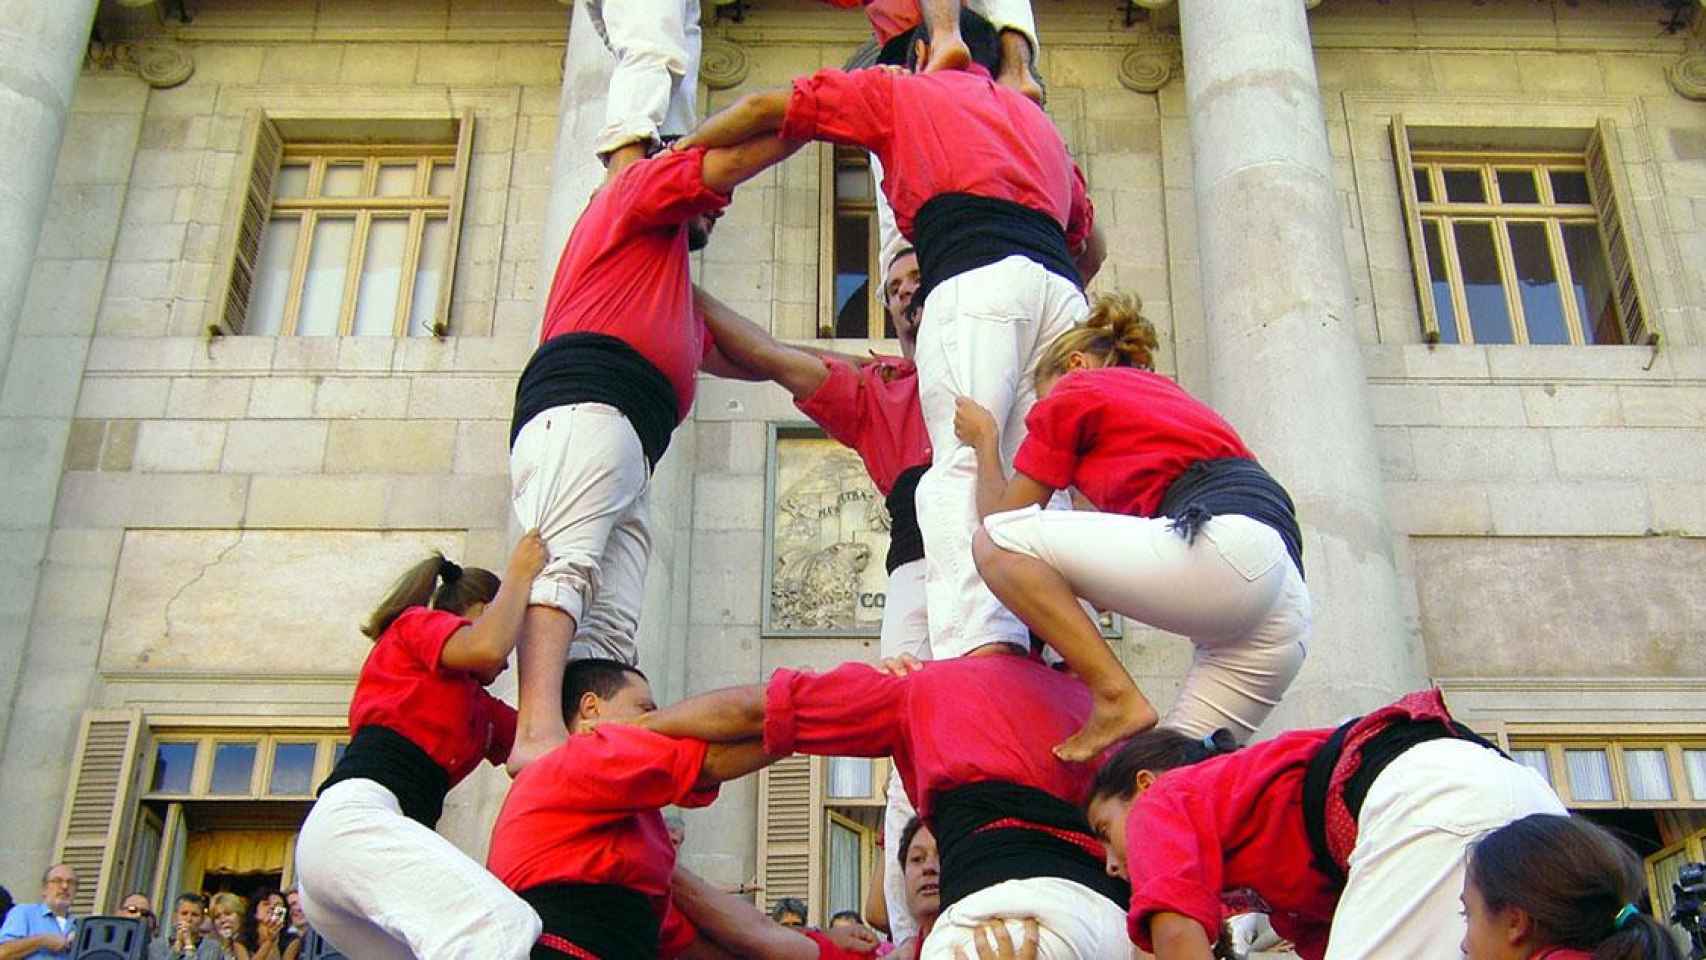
{"points": [[992, 561]]}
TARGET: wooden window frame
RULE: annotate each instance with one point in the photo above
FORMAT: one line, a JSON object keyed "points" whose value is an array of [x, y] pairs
{"points": [[266, 747], [1600, 161], [253, 205], [830, 208], [1614, 743], [794, 809], [868, 862]]}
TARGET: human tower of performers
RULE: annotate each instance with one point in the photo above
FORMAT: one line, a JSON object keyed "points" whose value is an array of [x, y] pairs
{"points": [[1072, 820]]}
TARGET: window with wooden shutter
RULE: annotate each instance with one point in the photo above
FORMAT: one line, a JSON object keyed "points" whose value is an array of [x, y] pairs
{"points": [[1413, 230], [246, 217], [98, 807], [789, 830], [1605, 168]]}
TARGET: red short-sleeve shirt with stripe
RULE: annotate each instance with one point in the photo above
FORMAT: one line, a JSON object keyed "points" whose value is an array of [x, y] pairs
{"points": [[624, 271], [588, 812], [446, 713], [1231, 823], [1121, 436], [925, 721], [962, 133], [873, 409]]}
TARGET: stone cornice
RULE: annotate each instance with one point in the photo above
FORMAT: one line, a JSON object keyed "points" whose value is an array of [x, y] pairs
{"points": [[159, 63]]}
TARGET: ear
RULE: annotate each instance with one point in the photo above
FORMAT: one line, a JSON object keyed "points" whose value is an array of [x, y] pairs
{"points": [[589, 706], [1516, 926], [920, 53], [1143, 781]]}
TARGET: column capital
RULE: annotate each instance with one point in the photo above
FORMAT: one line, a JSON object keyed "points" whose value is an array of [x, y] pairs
{"points": [[1688, 74], [159, 63], [722, 63]]}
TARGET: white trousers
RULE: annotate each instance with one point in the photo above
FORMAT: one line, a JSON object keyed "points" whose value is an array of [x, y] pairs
{"points": [[981, 335], [906, 627], [1417, 823], [654, 90], [1234, 592], [1073, 921], [380, 886], [578, 474]]}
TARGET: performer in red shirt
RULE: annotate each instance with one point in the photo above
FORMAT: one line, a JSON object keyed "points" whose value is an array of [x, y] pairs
{"points": [[581, 837], [870, 405], [983, 186], [377, 881], [1558, 888], [1353, 840], [1001, 806], [1012, 19], [619, 349], [1189, 534]]}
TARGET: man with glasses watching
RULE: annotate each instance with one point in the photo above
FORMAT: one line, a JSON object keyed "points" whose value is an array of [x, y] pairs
{"points": [[45, 930], [137, 907]]}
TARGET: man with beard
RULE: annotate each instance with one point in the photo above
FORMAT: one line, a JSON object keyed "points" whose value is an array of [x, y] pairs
{"points": [[594, 409]]}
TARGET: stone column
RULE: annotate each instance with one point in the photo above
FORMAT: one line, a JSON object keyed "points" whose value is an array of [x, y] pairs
{"points": [[1284, 363], [41, 48]]}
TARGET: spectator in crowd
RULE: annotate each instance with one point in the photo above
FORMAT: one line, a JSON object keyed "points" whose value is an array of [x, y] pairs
{"points": [[227, 911], [6, 902], [42, 931], [789, 912], [677, 829], [138, 907], [298, 929], [184, 940], [267, 938], [846, 918], [922, 872]]}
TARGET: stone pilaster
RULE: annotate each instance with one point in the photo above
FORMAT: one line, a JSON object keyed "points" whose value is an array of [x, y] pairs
{"points": [[1284, 363]]}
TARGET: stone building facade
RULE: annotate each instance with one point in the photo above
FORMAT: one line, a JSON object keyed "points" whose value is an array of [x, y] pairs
{"points": [[204, 497]]}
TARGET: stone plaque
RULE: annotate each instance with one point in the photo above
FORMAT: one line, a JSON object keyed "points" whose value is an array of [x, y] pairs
{"points": [[827, 532]]}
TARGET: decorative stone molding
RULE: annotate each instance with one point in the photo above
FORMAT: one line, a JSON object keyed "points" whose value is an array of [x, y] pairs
{"points": [[1688, 75], [159, 63], [1147, 70], [722, 63]]}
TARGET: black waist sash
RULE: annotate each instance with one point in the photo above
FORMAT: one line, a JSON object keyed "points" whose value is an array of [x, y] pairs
{"points": [[956, 232], [974, 858], [906, 540], [611, 922], [1232, 485], [595, 368], [399, 765], [1378, 752]]}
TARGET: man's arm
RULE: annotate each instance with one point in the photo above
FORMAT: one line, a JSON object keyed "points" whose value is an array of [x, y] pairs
{"points": [[749, 346], [759, 112], [727, 167], [18, 949], [1089, 260], [734, 923], [729, 715], [731, 761], [1178, 937]]}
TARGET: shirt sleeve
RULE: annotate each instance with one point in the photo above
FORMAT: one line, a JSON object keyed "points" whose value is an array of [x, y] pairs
{"points": [[1081, 216], [1180, 868], [854, 108], [838, 404], [423, 633], [503, 719], [827, 950], [618, 768], [1061, 428], [666, 190], [854, 710], [16, 926]]}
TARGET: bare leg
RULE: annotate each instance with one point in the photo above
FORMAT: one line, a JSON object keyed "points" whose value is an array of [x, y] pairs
{"points": [[1040, 596], [1016, 66], [948, 50], [540, 658]]}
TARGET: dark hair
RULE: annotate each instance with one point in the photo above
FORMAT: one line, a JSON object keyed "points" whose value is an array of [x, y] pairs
{"points": [[596, 675], [979, 34], [852, 915], [907, 834], [6, 903], [1158, 749], [793, 905], [434, 582], [190, 896], [1573, 879]]}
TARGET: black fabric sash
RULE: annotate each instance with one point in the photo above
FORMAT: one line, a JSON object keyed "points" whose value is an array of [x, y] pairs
{"points": [[974, 859], [595, 368], [957, 232], [906, 540], [1232, 485], [398, 764], [609, 921], [1378, 752]]}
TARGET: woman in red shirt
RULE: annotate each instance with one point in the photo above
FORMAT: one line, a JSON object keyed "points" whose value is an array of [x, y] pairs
{"points": [[1558, 888], [377, 880], [1353, 841], [1189, 534]]}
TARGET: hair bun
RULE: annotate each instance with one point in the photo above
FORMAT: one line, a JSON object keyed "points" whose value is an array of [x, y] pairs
{"points": [[448, 571], [1121, 315]]}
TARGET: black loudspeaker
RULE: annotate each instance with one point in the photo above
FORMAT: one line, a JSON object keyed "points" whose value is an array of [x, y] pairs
{"points": [[315, 947], [110, 938]]}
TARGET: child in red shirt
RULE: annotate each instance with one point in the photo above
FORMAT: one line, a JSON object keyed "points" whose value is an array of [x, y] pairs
{"points": [[1353, 840], [377, 881], [1159, 467]]}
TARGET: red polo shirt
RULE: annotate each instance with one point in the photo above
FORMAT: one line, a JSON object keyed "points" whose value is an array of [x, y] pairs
{"points": [[873, 409], [889, 18], [827, 950], [1230, 823], [447, 713], [924, 722], [962, 133], [624, 271], [1121, 436]]}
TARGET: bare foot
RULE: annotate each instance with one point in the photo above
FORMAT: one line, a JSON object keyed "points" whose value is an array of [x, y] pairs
{"points": [[1019, 79], [529, 749], [949, 53], [1111, 720]]}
